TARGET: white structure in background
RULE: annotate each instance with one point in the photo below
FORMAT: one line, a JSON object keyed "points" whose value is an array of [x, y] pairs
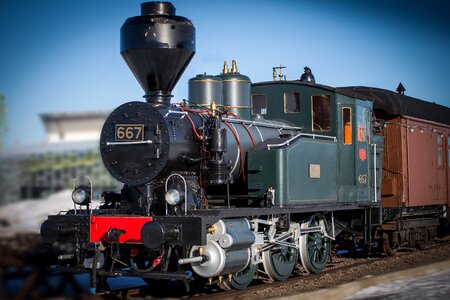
{"points": [[71, 149], [73, 126]]}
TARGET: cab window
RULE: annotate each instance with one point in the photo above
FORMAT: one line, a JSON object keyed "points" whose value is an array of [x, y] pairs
{"points": [[321, 113], [361, 124], [291, 102], [346, 125], [259, 104]]}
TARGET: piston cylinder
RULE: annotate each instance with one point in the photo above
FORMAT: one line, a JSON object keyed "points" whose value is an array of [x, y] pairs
{"points": [[219, 261], [237, 234]]}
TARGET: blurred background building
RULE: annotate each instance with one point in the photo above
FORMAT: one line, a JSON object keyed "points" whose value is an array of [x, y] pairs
{"points": [[71, 149]]}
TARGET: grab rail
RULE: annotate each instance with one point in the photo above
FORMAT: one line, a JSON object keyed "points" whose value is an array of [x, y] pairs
{"points": [[313, 136]]}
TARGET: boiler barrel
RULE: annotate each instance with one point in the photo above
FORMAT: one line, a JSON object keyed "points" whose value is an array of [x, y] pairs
{"points": [[139, 143]]}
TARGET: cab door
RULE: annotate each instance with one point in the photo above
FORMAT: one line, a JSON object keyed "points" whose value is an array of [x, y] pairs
{"points": [[346, 131], [362, 151]]}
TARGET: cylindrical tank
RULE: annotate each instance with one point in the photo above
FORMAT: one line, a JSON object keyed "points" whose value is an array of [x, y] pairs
{"points": [[237, 234], [236, 91], [220, 261], [204, 89], [139, 142]]}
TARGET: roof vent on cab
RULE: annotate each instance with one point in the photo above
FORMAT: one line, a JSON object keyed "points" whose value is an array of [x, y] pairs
{"points": [[307, 76]]}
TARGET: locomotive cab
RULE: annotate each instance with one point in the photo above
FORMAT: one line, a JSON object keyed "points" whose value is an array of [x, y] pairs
{"points": [[337, 144]]}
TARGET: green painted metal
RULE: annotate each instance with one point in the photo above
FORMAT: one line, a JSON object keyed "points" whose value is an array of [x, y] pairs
{"points": [[347, 181], [275, 103], [315, 246], [362, 151], [346, 171], [242, 279], [290, 172], [279, 261]]}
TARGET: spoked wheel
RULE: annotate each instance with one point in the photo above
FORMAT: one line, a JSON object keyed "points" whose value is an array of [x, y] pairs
{"points": [[279, 261], [314, 246], [389, 246], [241, 280]]}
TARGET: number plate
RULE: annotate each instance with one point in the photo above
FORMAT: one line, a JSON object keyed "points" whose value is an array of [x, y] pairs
{"points": [[129, 132]]}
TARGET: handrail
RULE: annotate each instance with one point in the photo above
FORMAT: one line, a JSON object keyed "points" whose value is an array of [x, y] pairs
{"points": [[262, 124], [185, 191], [175, 112], [314, 136], [375, 193], [129, 143], [246, 122]]}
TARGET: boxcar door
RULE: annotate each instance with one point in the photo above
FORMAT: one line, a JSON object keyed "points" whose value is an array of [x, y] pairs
{"points": [[441, 178]]}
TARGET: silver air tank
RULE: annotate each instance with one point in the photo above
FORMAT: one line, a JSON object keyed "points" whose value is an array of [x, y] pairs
{"points": [[227, 249], [204, 89], [236, 91]]}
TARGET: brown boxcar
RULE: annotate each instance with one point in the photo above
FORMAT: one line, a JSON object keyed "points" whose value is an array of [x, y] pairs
{"points": [[416, 165], [416, 169]]}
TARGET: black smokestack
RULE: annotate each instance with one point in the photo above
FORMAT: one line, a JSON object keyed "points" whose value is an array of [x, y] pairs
{"points": [[157, 46]]}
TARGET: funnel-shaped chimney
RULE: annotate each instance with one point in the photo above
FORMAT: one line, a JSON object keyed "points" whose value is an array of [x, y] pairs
{"points": [[157, 46]]}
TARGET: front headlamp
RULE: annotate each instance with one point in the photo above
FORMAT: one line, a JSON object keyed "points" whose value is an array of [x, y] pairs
{"points": [[173, 197], [81, 196]]}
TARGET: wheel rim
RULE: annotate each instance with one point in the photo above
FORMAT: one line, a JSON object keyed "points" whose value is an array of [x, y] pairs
{"points": [[241, 280], [314, 247], [279, 261]]}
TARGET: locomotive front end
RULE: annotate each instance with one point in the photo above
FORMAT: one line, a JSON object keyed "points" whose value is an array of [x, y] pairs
{"points": [[135, 147]]}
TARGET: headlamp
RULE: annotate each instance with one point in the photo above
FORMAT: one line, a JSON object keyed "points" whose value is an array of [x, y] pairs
{"points": [[81, 196], [173, 197]]}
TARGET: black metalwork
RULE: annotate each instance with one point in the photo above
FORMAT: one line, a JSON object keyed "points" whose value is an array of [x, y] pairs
{"points": [[157, 46]]}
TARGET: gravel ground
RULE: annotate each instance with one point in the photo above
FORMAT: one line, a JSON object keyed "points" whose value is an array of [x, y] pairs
{"points": [[373, 267]]}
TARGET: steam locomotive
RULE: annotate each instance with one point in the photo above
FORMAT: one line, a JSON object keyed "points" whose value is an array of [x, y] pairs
{"points": [[240, 177]]}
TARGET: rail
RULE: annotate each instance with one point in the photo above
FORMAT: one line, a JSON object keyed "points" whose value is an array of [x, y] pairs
{"points": [[313, 136]]}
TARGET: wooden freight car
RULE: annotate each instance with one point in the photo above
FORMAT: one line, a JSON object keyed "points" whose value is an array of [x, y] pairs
{"points": [[416, 165]]}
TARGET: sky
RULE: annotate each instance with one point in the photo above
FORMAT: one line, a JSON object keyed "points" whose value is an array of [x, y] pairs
{"points": [[61, 56]]}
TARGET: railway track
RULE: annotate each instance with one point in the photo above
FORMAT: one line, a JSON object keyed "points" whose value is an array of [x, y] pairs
{"points": [[340, 270], [16, 253], [336, 273]]}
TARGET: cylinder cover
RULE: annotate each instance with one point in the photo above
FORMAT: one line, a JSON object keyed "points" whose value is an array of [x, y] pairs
{"points": [[220, 261], [237, 234]]}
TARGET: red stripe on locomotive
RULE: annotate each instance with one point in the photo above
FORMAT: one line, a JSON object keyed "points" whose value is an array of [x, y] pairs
{"points": [[131, 227]]}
